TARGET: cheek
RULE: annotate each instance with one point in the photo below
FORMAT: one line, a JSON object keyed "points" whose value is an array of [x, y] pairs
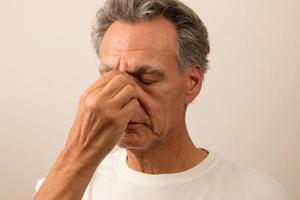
{"points": [[163, 105], [173, 100], [156, 113], [153, 101]]}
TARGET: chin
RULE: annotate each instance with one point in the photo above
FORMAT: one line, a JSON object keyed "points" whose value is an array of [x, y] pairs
{"points": [[130, 140]]}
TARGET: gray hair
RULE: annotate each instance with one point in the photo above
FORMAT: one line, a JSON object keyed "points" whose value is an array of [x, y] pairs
{"points": [[192, 36]]}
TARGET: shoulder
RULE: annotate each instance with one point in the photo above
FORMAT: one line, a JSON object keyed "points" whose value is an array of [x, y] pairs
{"points": [[256, 183]]}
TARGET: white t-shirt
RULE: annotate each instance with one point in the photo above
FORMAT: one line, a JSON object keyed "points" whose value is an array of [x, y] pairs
{"points": [[213, 179]]}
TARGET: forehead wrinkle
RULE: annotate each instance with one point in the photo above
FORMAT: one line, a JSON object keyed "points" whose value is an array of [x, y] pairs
{"points": [[146, 50], [137, 56]]}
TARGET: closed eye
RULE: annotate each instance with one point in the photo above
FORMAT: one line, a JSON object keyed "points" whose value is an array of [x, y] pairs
{"points": [[146, 81]]}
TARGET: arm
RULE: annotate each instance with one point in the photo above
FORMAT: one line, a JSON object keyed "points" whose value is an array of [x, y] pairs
{"points": [[103, 114], [67, 179]]}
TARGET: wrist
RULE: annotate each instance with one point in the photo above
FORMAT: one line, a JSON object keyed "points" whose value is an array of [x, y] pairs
{"points": [[77, 161]]}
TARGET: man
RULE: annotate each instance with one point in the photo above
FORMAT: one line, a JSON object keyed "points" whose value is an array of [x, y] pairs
{"points": [[153, 57]]}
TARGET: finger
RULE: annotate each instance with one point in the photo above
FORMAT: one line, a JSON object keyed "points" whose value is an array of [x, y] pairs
{"points": [[127, 93], [129, 110], [101, 82], [116, 85]]}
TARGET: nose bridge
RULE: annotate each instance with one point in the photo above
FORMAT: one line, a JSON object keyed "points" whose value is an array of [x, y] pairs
{"points": [[123, 66]]}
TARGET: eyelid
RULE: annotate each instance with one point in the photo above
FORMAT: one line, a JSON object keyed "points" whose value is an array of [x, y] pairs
{"points": [[146, 81]]}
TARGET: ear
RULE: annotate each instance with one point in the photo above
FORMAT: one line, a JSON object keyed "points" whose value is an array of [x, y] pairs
{"points": [[193, 82]]}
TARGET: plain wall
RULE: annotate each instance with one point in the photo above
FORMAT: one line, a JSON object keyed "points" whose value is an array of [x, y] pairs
{"points": [[248, 109]]}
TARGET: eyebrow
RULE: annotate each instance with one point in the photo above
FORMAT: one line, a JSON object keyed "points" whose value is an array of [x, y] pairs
{"points": [[138, 71], [104, 67], [147, 69]]}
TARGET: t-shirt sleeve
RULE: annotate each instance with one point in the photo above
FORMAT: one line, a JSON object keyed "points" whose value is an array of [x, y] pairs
{"points": [[270, 189], [41, 181], [276, 192], [38, 184]]}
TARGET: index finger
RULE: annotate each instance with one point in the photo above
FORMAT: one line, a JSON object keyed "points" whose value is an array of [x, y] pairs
{"points": [[101, 82]]}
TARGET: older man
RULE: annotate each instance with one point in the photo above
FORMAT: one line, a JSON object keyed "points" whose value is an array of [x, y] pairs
{"points": [[153, 57]]}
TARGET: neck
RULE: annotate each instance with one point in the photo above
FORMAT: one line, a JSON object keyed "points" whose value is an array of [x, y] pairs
{"points": [[176, 153]]}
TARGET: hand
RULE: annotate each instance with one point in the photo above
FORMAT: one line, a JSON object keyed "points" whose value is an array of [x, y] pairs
{"points": [[104, 111]]}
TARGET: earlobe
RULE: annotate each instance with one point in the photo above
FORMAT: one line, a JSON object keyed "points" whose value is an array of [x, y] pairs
{"points": [[193, 77]]}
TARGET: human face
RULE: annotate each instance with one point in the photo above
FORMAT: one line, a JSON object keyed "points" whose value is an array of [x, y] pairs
{"points": [[147, 51]]}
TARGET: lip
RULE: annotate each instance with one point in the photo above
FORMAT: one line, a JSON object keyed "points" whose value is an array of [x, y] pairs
{"points": [[134, 124]]}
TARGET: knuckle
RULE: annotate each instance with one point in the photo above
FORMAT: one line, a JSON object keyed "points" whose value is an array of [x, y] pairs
{"points": [[131, 89], [84, 95], [109, 118], [121, 78], [112, 119], [91, 103], [135, 103]]}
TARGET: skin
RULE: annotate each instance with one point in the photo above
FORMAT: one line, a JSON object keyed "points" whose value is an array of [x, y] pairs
{"points": [[162, 144], [138, 103]]}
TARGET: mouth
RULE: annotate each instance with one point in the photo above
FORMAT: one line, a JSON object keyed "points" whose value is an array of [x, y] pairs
{"points": [[132, 124]]}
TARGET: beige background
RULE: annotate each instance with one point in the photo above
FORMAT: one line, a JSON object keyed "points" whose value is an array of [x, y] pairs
{"points": [[248, 111]]}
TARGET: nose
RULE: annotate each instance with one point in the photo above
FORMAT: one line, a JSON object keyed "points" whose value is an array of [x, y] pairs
{"points": [[122, 66], [141, 113]]}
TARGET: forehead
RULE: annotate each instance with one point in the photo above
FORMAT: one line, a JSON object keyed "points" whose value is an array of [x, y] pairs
{"points": [[150, 38]]}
